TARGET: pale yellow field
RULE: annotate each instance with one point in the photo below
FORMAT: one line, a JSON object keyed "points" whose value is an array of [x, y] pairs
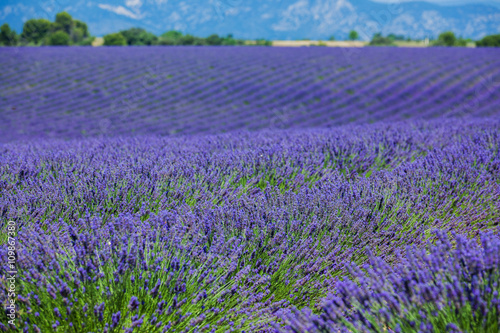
{"points": [[340, 43]]}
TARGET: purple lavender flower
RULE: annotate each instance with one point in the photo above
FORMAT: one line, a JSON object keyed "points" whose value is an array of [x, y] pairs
{"points": [[133, 305]]}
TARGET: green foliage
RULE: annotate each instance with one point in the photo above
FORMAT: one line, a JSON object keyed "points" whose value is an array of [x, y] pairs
{"points": [[59, 38], [177, 38], [82, 26], [353, 35], [186, 40], [35, 30], [396, 37], [77, 30], [263, 42], [174, 34], [214, 40], [332, 38], [230, 40], [8, 37], [170, 38], [41, 31], [199, 41], [139, 36], [80, 34], [77, 36], [87, 41], [64, 22], [461, 42], [379, 40], [115, 39], [449, 39], [489, 41]]}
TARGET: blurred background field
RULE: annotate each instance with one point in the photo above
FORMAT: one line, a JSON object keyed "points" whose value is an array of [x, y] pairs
{"points": [[85, 92]]}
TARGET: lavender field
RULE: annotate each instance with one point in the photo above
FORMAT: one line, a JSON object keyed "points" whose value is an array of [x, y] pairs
{"points": [[251, 189], [88, 92]]}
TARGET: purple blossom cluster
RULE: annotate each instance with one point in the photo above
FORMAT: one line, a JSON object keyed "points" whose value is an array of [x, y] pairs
{"points": [[88, 92], [234, 232]]}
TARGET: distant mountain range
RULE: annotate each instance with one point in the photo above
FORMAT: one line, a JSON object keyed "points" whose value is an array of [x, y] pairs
{"points": [[269, 19]]}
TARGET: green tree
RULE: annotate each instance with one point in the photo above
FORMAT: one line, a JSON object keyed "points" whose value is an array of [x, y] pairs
{"points": [[77, 36], [115, 39], [80, 33], [87, 41], [59, 38], [230, 40], [489, 41], [214, 40], [446, 38], [353, 35], [174, 34], [35, 30], [8, 37], [63, 22], [263, 42], [332, 38], [83, 27], [139, 36], [187, 40], [379, 40], [171, 37]]}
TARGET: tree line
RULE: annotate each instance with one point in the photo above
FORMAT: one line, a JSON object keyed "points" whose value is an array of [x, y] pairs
{"points": [[447, 38], [139, 36], [65, 31]]}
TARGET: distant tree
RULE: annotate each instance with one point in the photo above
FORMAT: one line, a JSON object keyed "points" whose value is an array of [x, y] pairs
{"points": [[87, 41], [82, 26], [115, 39], [396, 37], [353, 35], [461, 42], [167, 41], [172, 37], [214, 40], [379, 40], [59, 38], [489, 41], [263, 42], [35, 30], [230, 40], [64, 22], [8, 37], [187, 40], [139, 36], [331, 39], [172, 34], [80, 33], [198, 41], [446, 38]]}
